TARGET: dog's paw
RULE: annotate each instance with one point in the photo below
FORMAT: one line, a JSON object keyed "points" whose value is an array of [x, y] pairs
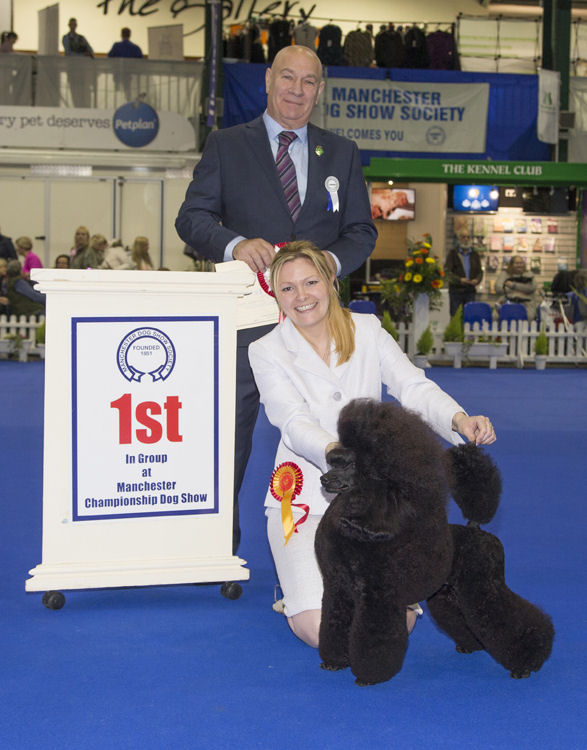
{"points": [[520, 674], [333, 667]]}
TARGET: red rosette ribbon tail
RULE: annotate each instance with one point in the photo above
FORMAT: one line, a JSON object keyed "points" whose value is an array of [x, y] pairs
{"points": [[263, 278], [286, 483]]}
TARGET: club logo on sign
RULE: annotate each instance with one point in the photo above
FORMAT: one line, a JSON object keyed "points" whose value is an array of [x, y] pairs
{"points": [[146, 351]]}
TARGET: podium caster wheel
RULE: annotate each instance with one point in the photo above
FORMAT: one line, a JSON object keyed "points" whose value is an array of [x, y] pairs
{"points": [[231, 589], [53, 599]]}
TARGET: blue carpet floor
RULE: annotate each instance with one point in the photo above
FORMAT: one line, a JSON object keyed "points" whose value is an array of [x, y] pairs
{"points": [[182, 667]]}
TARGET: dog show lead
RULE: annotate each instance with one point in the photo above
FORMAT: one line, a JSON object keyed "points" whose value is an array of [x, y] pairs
{"points": [[319, 358]]}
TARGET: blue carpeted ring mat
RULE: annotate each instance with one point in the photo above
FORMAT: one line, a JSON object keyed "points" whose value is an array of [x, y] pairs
{"points": [[182, 667]]}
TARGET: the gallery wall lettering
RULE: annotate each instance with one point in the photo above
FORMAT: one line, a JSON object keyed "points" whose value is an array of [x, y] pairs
{"points": [[231, 9]]}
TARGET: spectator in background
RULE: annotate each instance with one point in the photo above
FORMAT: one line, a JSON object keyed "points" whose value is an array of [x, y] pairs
{"points": [[117, 257], [140, 255], [22, 299], [24, 247], [8, 40], [7, 248], [516, 284], [91, 256], [81, 241], [463, 269], [578, 295], [3, 285], [74, 43], [125, 48], [62, 261]]}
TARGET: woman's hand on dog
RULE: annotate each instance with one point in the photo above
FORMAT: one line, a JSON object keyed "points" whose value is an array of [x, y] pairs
{"points": [[478, 430]]}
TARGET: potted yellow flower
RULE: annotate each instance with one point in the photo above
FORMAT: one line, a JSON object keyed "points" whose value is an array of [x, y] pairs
{"points": [[422, 274]]}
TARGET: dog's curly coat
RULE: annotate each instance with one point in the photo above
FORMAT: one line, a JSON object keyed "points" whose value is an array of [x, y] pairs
{"points": [[385, 543]]}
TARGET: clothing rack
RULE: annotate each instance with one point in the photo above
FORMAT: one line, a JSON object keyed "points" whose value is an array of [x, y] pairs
{"points": [[267, 17]]}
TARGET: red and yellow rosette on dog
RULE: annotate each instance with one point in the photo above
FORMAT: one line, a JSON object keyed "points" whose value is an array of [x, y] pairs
{"points": [[286, 483]]}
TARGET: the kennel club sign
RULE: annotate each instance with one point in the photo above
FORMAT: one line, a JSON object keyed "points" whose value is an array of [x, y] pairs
{"points": [[144, 393]]}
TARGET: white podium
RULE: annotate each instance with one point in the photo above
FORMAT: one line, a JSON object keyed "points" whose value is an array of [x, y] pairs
{"points": [[139, 426]]}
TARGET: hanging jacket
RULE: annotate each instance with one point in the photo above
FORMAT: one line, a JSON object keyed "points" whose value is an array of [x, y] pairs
{"points": [[330, 45], [358, 49], [416, 52], [389, 49], [442, 51], [279, 37]]}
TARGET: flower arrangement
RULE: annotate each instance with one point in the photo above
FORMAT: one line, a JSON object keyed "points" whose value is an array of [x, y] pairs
{"points": [[421, 274]]}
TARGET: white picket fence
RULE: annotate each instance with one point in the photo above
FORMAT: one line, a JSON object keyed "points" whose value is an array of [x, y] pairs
{"points": [[565, 345], [17, 336]]}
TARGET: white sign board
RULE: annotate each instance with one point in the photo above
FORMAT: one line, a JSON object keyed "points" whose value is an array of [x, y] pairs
{"points": [[48, 30], [166, 42], [149, 420], [549, 82], [408, 116], [55, 127]]}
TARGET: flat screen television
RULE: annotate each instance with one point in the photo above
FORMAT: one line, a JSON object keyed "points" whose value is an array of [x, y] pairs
{"points": [[393, 204], [475, 198]]}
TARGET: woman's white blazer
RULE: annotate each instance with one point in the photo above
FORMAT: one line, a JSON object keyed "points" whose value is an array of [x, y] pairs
{"points": [[303, 396]]}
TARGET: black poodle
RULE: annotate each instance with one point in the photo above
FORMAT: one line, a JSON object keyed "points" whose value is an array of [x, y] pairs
{"points": [[385, 543]]}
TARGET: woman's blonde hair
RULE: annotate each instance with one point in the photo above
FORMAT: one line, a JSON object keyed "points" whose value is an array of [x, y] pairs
{"points": [[341, 327], [25, 242], [97, 239], [140, 250]]}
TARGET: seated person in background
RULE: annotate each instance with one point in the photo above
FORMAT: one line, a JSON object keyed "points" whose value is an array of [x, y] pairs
{"points": [[578, 296], [7, 248], [516, 284], [3, 285], [21, 298], [62, 261], [117, 257], [24, 247], [93, 255], [140, 255], [81, 241]]}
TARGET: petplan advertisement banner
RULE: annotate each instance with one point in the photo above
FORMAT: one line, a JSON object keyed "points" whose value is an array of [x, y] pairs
{"points": [[145, 416], [131, 126], [403, 116]]}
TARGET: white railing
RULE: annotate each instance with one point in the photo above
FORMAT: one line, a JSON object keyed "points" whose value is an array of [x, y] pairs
{"points": [[18, 336], [565, 345]]}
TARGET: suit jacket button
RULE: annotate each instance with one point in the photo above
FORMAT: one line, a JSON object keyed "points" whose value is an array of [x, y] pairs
{"points": [[337, 396]]}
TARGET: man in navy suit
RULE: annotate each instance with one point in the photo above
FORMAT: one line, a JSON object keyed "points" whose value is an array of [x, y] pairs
{"points": [[235, 207]]}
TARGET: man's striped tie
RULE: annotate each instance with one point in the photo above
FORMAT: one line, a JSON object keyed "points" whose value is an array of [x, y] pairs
{"points": [[287, 173]]}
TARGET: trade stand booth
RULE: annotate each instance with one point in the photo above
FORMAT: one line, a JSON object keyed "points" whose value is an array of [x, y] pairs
{"points": [[139, 427], [530, 208]]}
